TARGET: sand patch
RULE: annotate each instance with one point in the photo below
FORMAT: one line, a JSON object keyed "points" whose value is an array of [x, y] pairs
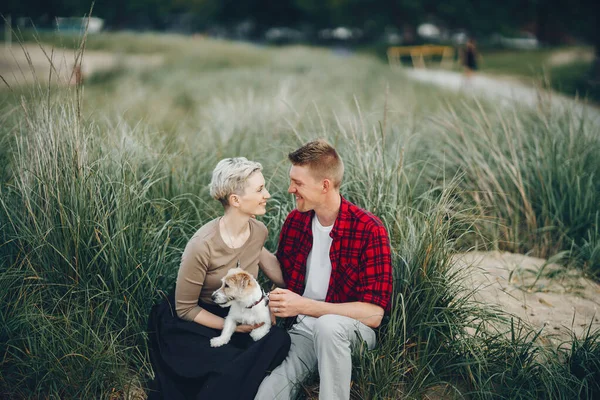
{"points": [[545, 295], [23, 65], [569, 56]]}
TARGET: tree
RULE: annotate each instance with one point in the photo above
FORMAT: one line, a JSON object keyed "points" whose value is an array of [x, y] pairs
{"points": [[585, 24]]}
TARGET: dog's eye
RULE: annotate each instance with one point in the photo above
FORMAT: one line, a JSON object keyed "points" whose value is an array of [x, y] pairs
{"points": [[226, 285]]}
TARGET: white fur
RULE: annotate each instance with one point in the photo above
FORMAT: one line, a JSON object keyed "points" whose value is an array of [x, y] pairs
{"points": [[239, 299]]}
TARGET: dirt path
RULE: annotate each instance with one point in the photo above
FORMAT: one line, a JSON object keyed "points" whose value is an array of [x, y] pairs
{"points": [[505, 91], [521, 286], [24, 65]]}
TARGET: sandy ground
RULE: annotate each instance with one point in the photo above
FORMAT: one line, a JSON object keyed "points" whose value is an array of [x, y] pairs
{"points": [[25, 65], [522, 286], [505, 91], [568, 56]]}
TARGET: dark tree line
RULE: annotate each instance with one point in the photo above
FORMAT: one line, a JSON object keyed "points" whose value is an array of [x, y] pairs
{"points": [[549, 17], [551, 20]]}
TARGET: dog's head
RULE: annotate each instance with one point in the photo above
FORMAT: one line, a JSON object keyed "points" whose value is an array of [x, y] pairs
{"points": [[236, 285]]}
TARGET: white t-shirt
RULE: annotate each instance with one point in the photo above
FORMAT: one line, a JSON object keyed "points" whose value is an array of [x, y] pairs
{"points": [[318, 271]]}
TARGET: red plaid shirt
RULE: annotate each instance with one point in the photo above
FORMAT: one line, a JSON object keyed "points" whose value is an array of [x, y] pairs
{"points": [[361, 262]]}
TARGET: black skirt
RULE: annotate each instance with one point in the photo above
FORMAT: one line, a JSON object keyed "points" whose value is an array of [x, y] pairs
{"points": [[471, 61], [187, 367]]}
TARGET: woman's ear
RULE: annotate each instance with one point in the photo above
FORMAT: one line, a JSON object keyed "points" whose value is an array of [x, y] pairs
{"points": [[234, 200]]}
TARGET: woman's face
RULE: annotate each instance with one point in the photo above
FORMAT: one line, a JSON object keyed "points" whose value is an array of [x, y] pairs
{"points": [[254, 199]]}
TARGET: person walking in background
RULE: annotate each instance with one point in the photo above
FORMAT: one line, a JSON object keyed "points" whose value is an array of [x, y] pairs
{"points": [[337, 270], [181, 327], [470, 58]]}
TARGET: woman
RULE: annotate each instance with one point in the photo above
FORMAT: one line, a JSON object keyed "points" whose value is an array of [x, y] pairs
{"points": [[180, 328], [470, 57]]}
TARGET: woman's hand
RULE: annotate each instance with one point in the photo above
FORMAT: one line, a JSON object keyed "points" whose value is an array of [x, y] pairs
{"points": [[247, 328]]}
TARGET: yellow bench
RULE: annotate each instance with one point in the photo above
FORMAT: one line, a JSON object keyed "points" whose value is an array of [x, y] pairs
{"points": [[418, 54]]}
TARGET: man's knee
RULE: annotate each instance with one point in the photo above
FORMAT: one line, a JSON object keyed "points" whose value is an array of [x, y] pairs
{"points": [[334, 328], [337, 329]]}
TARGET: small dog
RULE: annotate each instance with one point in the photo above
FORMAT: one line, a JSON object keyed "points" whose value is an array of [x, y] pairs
{"points": [[249, 305]]}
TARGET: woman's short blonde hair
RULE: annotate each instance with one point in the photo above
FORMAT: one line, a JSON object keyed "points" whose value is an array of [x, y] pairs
{"points": [[230, 176]]}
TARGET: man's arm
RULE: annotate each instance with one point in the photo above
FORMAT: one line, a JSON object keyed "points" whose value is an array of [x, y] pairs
{"points": [[270, 267], [285, 303]]}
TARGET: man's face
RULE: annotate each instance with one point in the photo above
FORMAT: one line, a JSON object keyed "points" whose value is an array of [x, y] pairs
{"points": [[307, 190]]}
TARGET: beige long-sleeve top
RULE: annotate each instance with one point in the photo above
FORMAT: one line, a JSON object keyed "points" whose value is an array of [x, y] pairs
{"points": [[206, 259]]}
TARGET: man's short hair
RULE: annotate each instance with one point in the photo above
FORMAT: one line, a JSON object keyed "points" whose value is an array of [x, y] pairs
{"points": [[322, 159], [230, 176]]}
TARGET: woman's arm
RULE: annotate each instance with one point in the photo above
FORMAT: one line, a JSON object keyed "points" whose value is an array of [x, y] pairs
{"points": [[211, 320], [190, 278], [270, 267]]}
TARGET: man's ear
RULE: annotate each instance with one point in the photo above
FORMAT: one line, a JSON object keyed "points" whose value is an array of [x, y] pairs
{"points": [[326, 185]]}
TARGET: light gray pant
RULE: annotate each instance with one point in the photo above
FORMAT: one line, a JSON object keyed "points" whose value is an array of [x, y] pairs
{"points": [[329, 348]]}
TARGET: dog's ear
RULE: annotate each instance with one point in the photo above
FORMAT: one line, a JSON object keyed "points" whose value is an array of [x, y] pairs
{"points": [[246, 279], [242, 280]]}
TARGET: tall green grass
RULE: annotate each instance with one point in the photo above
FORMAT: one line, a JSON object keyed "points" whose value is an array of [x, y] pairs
{"points": [[536, 174], [102, 188], [84, 244]]}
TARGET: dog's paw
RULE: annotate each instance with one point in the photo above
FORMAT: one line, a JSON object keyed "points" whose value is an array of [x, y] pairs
{"points": [[218, 341], [258, 334]]}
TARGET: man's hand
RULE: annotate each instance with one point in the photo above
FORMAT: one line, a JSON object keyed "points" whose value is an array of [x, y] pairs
{"points": [[247, 328], [285, 303]]}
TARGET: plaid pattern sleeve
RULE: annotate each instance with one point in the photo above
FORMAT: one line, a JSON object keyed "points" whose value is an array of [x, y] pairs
{"points": [[375, 283]]}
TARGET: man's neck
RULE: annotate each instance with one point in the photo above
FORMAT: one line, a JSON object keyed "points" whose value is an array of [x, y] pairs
{"points": [[328, 211]]}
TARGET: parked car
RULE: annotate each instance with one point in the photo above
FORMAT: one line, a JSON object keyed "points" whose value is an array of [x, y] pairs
{"points": [[525, 41], [77, 24], [281, 35]]}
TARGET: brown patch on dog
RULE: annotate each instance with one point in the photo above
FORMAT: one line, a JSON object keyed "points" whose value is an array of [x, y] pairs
{"points": [[237, 280]]}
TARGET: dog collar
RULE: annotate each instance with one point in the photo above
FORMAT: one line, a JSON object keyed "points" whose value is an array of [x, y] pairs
{"points": [[265, 297]]}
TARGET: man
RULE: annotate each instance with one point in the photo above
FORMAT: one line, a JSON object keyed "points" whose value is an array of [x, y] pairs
{"points": [[334, 258]]}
